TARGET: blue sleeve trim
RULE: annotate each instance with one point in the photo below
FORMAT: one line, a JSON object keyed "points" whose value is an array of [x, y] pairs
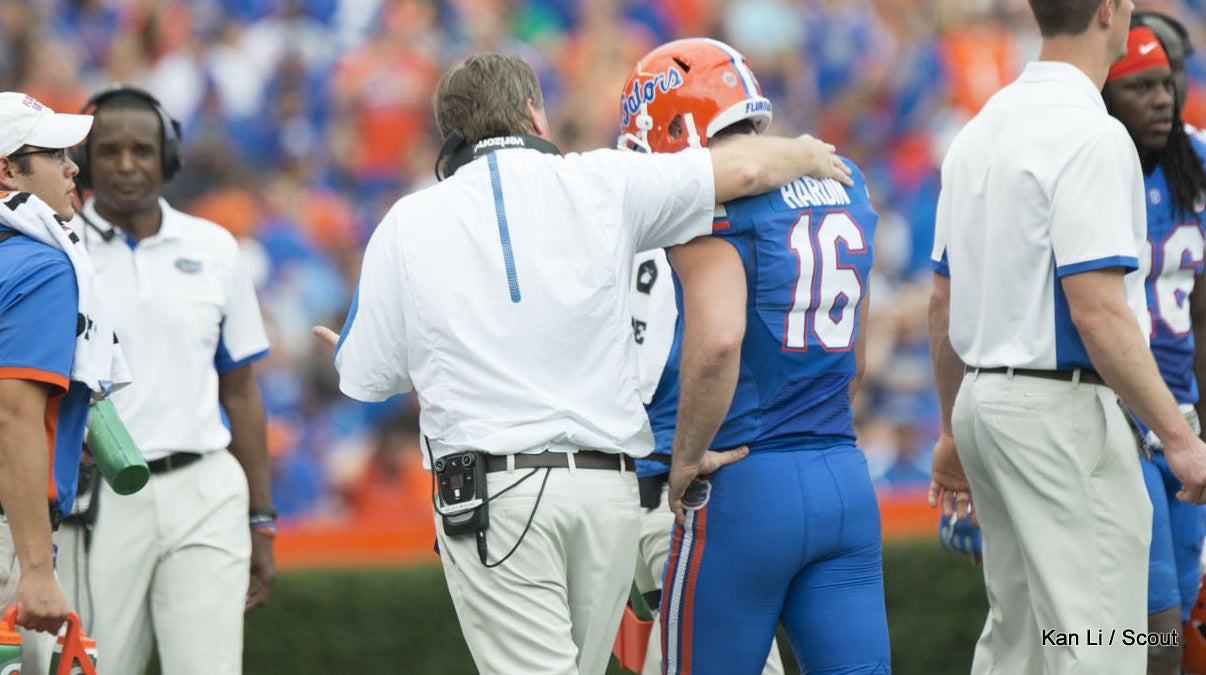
{"points": [[224, 364], [941, 267], [1127, 263], [347, 322]]}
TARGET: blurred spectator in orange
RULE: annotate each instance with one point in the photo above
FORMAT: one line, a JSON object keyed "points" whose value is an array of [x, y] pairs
{"points": [[394, 488], [383, 88], [53, 73], [594, 60], [236, 208], [980, 53]]}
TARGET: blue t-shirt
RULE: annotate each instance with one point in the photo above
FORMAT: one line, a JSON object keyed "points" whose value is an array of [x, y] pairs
{"points": [[1175, 248], [39, 310], [807, 254]]}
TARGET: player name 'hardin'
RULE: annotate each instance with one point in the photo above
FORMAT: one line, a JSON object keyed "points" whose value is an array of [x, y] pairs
{"points": [[805, 192]]}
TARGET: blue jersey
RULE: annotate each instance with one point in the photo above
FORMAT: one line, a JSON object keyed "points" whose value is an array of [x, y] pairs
{"points": [[1175, 254], [807, 254], [39, 306]]}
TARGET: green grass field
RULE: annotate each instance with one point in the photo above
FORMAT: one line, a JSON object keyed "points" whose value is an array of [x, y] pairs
{"points": [[401, 620]]}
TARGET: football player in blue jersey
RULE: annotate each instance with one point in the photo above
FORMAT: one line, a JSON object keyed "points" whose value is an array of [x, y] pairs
{"points": [[1140, 92], [768, 357]]}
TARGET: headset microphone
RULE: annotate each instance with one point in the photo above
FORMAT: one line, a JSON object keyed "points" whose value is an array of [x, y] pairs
{"points": [[106, 235]]}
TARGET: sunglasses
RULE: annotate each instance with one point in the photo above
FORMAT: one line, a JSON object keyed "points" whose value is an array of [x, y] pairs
{"points": [[58, 154]]}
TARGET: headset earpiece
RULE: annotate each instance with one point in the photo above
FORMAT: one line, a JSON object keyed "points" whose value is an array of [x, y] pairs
{"points": [[171, 142]]}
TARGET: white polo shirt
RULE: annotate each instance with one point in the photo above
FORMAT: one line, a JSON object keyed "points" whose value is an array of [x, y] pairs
{"points": [[502, 296], [1041, 184], [184, 310]]}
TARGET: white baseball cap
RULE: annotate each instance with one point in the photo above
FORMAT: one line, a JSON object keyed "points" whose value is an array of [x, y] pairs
{"points": [[25, 121]]}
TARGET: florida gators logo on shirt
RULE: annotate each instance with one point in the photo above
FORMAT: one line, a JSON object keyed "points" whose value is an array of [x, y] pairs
{"points": [[697, 494], [188, 265]]}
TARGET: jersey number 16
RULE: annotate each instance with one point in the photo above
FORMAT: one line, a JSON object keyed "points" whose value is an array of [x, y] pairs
{"points": [[827, 292]]}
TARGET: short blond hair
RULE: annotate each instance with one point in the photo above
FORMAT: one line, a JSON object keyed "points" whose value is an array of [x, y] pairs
{"points": [[487, 95]]}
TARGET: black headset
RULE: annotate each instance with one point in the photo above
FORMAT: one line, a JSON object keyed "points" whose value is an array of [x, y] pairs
{"points": [[171, 143]]}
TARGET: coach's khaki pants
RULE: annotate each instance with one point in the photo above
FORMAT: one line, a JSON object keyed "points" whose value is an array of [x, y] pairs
{"points": [[1066, 522], [554, 606]]}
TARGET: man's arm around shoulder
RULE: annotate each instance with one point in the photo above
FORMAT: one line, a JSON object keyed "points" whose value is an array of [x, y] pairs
{"points": [[750, 165]]}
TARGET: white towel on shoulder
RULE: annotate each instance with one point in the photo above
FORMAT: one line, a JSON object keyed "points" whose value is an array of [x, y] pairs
{"points": [[98, 362]]}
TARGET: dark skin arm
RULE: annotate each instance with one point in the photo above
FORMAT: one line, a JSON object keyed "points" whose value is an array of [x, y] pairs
{"points": [[240, 398]]}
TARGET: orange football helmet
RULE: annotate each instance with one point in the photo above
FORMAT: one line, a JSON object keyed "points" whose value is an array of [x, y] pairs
{"points": [[683, 92]]}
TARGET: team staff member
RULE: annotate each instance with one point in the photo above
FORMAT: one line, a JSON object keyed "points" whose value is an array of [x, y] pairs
{"points": [[500, 296], [789, 534], [1140, 93], [172, 561], [1044, 189], [49, 368]]}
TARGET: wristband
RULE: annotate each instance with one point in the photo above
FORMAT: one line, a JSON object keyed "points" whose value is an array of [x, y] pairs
{"points": [[264, 527], [261, 513]]}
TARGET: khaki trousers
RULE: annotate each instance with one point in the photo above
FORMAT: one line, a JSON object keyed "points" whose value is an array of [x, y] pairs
{"points": [[554, 606], [1066, 521]]}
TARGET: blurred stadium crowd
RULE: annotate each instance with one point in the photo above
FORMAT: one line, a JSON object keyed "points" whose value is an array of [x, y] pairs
{"points": [[305, 119]]}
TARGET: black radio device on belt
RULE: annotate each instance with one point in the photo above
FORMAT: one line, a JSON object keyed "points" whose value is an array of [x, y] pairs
{"points": [[464, 504]]}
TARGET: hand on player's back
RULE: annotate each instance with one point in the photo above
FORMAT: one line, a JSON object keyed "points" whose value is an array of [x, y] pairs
{"points": [[682, 475]]}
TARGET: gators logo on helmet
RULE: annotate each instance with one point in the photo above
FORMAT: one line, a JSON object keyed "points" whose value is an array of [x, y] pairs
{"points": [[685, 91]]}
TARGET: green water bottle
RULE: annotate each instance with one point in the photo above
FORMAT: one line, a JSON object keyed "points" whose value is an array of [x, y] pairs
{"points": [[10, 643], [119, 460]]}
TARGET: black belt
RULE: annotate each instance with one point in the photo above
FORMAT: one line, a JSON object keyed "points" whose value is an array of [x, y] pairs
{"points": [[1087, 375], [650, 489], [583, 459], [55, 517], [176, 460]]}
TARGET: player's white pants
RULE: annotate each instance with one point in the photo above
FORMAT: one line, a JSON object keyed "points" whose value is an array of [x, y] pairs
{"points": [[36, 646], [656, 527], [171, 561], [554, 607], [1057, 486]]}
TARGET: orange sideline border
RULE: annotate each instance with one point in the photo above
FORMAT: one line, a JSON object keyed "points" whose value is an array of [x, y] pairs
{"points": [[351, 543]]}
